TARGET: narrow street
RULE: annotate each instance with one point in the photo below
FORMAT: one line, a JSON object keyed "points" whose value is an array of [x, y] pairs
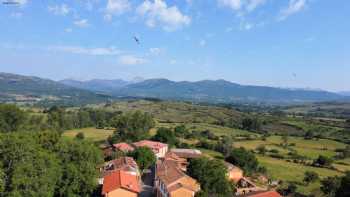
{"points": [[147, 183]]}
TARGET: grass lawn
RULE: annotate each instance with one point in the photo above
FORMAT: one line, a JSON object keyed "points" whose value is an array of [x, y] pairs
{"points": [[309, 148], [216, 129], [90, 133], [287, 171]]}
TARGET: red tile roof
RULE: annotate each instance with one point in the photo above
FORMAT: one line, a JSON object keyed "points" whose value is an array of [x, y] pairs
{"points": [[264, 194], [120, 179], [155, 146], [123, 147], [127, 164]]}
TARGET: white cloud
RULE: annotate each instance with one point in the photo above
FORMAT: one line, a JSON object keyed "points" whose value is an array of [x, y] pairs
{"points": [[116, 7], [233, 4], [16, 15], [172, 62], [86, 51], [254, 4], [82, 23], [21, 2], [202, 43], [246, 26], [59, 9], [131, 60], [155, 51], [68, 30], [242, 5], [293, 7], [158, 13]]}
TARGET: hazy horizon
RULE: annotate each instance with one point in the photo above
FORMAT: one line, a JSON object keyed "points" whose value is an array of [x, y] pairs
{"points": [[288, 44]]}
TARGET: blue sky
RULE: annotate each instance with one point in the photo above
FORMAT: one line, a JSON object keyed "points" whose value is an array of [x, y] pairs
{"points": [[284, 43]]}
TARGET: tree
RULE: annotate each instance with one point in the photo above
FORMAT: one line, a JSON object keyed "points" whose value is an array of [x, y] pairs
{"points": [[225, 145], [261, 149], [310, 177], [78, 160], [251, 124], [11, 118], [30, 170], [244, 159], [323, 161], [80, 136], [133, 126], [211, 174], [344, 188], [2, 181], [309, 135], [181, 131], [144, 157], [330, 185], [166, 135], [285, 139]]}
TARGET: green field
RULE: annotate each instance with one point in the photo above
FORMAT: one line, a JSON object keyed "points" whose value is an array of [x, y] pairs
{"points": [[309, 148], [287, 171], [90, 133]]}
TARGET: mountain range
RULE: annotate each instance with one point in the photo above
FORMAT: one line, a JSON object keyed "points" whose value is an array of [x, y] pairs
{"points": [[218, 91], [18, 87], [21, 88]]}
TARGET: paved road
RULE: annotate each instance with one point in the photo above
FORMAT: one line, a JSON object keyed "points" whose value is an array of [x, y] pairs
{"points": [[147, 183]]}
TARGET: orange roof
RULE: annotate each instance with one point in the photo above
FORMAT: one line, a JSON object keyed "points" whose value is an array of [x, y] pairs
{"points": [[120, 179], [127, 164], [155, 146], [123, 147], [265, 194]]}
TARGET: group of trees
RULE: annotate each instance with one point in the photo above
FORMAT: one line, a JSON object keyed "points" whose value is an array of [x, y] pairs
{"points": [[36, 161], [43, 164], [211, 174], [167, 136], [336, 186], [133, 126], [246, 160], [251, 124]]}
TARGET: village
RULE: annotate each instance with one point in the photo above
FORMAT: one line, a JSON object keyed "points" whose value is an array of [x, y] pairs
{"points": [[168, 177]]}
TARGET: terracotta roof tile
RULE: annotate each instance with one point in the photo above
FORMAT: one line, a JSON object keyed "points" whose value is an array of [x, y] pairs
{"points": [[123, 147], [155, 146], [263, 194], [120, 179]]}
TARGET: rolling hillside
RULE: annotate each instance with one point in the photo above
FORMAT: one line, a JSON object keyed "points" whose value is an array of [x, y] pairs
{"points": [[221, 91], [21, 88]]}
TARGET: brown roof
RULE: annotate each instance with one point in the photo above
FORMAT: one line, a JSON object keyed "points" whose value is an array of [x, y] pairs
{"points": [[123, 147], [120, 179], [155, 146], [231, 167], [263, 194], [169, 173], [187, 153], [122, 163]]}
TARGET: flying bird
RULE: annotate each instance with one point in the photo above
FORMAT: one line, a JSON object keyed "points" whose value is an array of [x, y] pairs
{"points": [[136, 40], [294, 75]]}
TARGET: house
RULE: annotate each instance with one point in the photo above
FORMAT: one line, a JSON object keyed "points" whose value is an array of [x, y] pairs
{"points": [[173, 182], [262, 194], [234, 173], [180, 162], [158, 148], [126, 164], [124, 147], [120, 183], [187, 153]]}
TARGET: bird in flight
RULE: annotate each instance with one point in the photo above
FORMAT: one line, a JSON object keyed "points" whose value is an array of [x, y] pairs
{"points": [[136, 40]]}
